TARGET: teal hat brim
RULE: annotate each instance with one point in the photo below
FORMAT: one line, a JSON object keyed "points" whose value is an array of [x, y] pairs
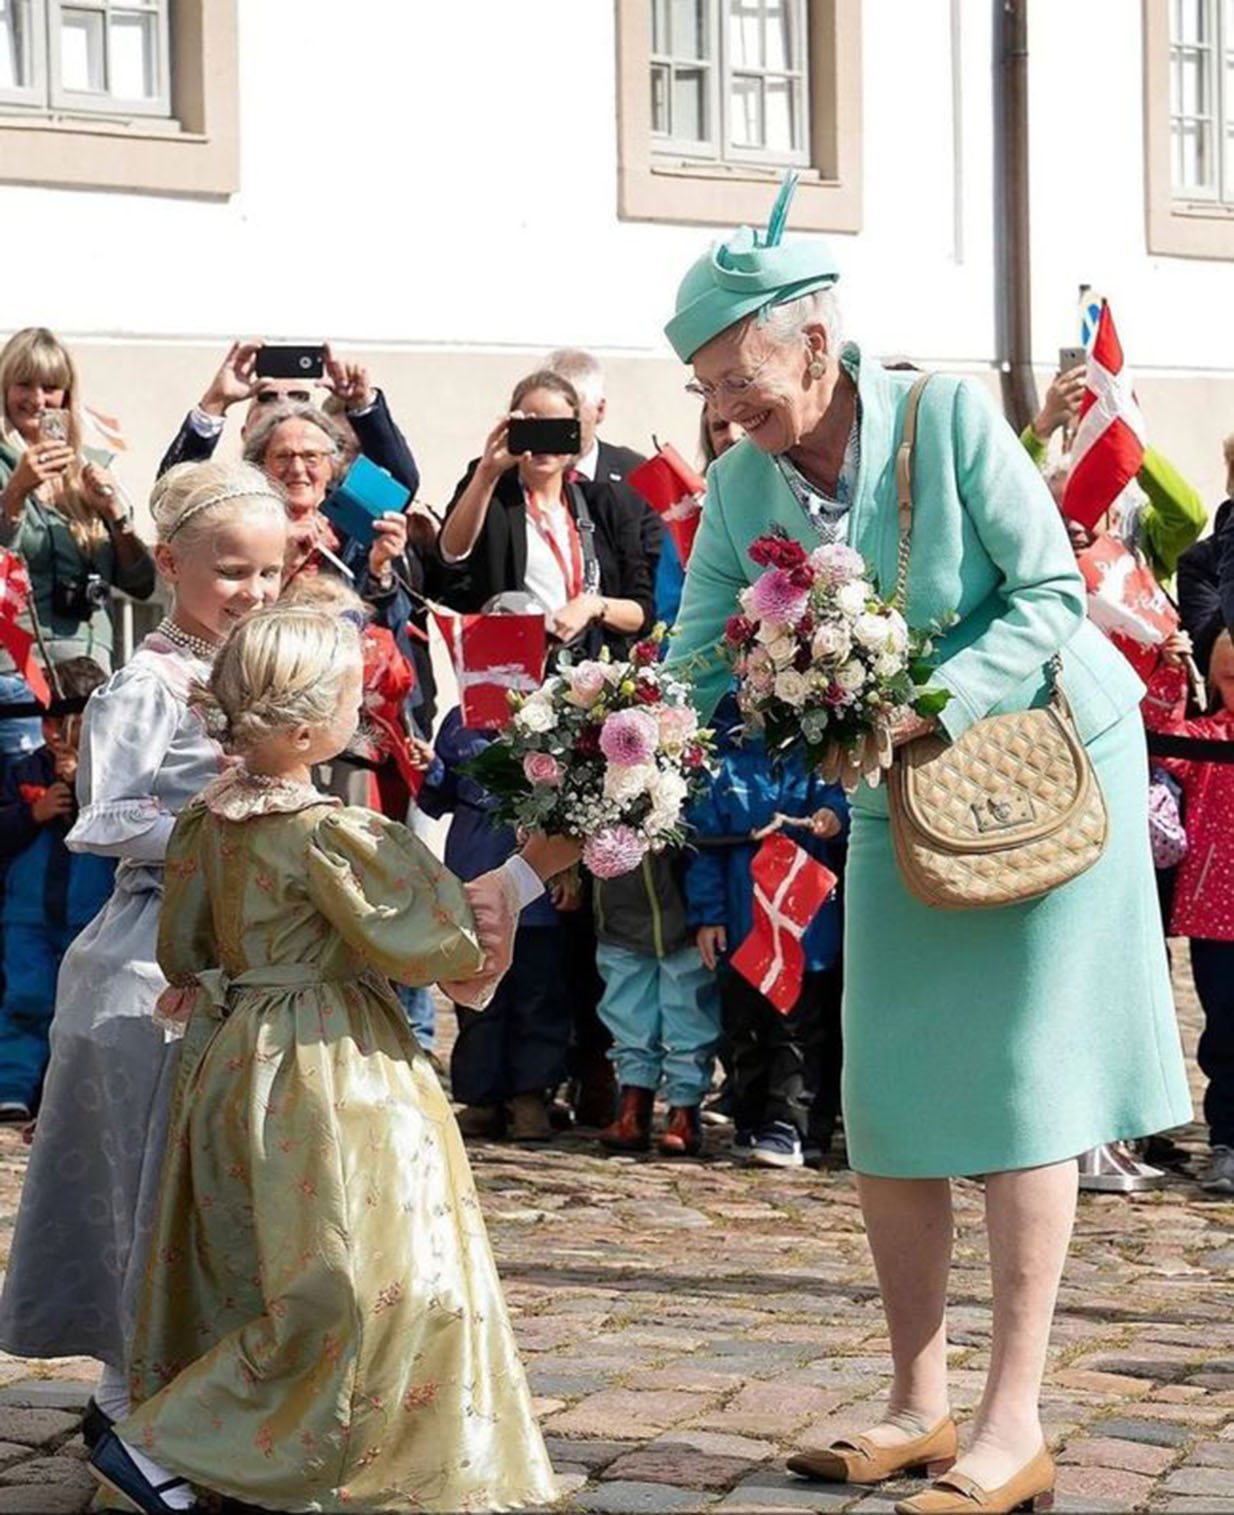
{"points": [[716, 308]]}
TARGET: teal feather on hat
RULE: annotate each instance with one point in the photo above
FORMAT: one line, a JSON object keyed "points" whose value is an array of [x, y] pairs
{"points": [[779, 211]]}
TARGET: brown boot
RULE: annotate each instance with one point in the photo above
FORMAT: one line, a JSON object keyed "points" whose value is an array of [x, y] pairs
{"points": [[596, 1096], [682, 1136], [528, 1118], [631, 1131], [480, 1120]]}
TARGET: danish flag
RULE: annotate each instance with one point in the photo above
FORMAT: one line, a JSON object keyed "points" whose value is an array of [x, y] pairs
{"points": [[674, 491], [15, 639], [1108, 450], [790, 887], [494, 656]]}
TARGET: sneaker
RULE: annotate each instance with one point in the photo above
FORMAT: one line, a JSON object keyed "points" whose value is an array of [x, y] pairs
{"points": [[13, 1111], [777, 1146], [1218, 1177]]}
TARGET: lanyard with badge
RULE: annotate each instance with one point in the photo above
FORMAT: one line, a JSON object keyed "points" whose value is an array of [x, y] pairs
{"points": [[571, 574]]}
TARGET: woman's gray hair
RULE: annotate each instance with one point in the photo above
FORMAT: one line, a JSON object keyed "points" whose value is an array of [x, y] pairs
{"points": [[257, 442], [785, 323]]}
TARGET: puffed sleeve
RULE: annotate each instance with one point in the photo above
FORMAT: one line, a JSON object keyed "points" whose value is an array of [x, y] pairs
{"points": [[391, 900], [127, 729], [1006, 499], [186, 941]]}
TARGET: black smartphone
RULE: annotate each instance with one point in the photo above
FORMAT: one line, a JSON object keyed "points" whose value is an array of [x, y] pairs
{"points": [[275, 362], [1071, 357], [542, 434]]}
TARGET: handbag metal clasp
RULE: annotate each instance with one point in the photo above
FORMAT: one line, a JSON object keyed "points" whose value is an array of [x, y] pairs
{"points": [[1002, 813]]}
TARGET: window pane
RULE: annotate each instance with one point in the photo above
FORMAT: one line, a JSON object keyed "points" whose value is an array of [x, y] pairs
{"points": [[659, 26], [660, 121], [1192, 98], [1191, 21], [745, 48], [15, 63], [778, 36], [1192, 155], [690, 105], [688, 31], [781, 116], [745, 122], [81, 50], [134, 56]]}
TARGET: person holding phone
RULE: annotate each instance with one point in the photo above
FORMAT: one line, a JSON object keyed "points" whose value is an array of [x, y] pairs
{"points": [[63, 513], [516, 522]]}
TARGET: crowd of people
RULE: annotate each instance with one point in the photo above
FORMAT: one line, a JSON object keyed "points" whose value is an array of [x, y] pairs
{"points": [[617, 995]]}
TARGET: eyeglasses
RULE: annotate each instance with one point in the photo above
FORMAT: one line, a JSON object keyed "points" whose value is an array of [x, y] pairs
{"points": [[732, 384], [312, 458], [269, 396]]}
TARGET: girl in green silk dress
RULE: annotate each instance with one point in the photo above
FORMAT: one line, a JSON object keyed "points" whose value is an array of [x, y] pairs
{"points": [[322, 1326]]}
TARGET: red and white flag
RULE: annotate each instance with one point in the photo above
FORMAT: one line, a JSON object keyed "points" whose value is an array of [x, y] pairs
{"points": [[1126, 601], [1108, 449], [15, 639], [790, 887], [494, 656], [674, 491]]}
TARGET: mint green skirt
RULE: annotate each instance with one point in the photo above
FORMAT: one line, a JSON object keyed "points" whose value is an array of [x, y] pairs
{"points": [[985, 1040]]}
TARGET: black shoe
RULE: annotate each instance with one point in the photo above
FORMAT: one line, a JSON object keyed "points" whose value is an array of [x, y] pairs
{"points": [[95, 1424], [116, 1470]]}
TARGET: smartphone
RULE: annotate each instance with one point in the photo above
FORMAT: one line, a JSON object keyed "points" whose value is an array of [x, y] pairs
{"points": [[558, 434], [275, 362], [1071, 357], [54, 424]]}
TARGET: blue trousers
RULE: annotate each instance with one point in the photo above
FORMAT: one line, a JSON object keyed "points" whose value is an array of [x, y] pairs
{"points": [[420, 1012], [32, 956], [664, 1015]]}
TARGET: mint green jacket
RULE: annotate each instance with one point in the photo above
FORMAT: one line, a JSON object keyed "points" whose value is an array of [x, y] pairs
{"points": [[988, 546]]}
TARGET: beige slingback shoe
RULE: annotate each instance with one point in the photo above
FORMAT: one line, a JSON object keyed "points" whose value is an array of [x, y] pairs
{"points": [[1032, 1488], [857, 1459]]}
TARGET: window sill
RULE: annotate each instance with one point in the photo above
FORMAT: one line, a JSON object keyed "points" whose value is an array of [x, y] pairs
{"points": [[728, 194], [157, 128], [1191, 229]]}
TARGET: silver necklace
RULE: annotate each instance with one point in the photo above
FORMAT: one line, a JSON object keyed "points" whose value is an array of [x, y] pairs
{"points": [[198, 646]]}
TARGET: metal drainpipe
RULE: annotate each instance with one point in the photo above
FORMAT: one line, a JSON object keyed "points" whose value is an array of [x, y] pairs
{"points": [[1013, 259]]}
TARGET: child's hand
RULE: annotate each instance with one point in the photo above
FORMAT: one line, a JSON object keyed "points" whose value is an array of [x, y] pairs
{"points": [[55, 802], [825, 823], [712, 944], [1175, 648], [420, 752], [566, 890]]}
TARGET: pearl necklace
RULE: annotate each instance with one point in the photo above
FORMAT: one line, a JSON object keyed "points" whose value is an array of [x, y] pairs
{"points": [[201, 649]]}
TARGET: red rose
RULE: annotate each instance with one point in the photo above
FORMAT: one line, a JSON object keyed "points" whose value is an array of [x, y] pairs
{"points": [[692, 757], [776, 551], [588, 743], [645, 653], [805, 626], [646, 693], [739, 629]]}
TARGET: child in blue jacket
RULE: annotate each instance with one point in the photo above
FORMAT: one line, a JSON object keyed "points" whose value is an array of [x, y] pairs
{"points": [[784, 1069], [50, 892]]}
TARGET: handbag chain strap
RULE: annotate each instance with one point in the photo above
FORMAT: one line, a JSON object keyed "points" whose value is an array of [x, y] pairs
{"points": [[904, 492]]}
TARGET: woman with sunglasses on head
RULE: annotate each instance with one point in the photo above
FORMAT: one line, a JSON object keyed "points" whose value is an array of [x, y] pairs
{"points": [[61, 512]]}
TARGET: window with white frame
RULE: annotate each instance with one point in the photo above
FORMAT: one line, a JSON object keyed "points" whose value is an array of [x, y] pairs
{"points": [[729, 80], [87, 57], [1202, 100]]}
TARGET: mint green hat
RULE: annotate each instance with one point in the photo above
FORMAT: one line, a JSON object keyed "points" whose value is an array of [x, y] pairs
{"points": [[748, 272]]}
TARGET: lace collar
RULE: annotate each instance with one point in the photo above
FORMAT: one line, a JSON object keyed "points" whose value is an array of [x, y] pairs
{"points": [[238, 795]]}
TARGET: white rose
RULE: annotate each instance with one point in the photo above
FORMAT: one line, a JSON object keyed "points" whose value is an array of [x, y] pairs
{"points": [[897, 631], [783, 651], [831, 641], [769, 631], [872, 631], [888, 664], [851, 598], [536, 714], [791, 687], [624, 784], [658, 820], [851, 677]]}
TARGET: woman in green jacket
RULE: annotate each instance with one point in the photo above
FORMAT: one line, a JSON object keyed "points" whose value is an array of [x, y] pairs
{"points": [[64, 515], [995, 1043]]}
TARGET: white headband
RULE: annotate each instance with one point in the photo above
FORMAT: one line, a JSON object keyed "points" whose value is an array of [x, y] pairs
{"points": [[232, 492]]}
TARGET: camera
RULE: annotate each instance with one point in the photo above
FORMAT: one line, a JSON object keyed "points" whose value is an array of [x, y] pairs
{"points": [[80, 598]]}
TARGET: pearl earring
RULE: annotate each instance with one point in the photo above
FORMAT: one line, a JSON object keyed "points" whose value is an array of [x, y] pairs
{"points": [[816, 368]]}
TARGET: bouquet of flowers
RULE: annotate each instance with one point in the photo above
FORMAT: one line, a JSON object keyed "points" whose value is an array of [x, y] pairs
{"points": [[607, 752], [823, 664]]}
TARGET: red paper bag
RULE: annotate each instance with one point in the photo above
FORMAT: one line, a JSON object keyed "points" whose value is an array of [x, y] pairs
{"points": [[1126, 601], [494, 656], [673, 490], [790, 887]]}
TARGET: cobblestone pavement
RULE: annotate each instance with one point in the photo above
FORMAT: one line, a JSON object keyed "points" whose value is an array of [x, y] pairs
{"points": [[686, 1325]]}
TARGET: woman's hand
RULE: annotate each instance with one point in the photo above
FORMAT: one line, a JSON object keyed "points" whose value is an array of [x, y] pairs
{"points": [[576, 615], [41, 464], [712, 942], [389, 542], [236, 379], [100, 494], [349, 381], [1061, 403], [497, 458]]}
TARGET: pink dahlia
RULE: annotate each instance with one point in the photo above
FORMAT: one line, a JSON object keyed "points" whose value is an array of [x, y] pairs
{"points": [[775, 597], [629, 737], [614, 851]]}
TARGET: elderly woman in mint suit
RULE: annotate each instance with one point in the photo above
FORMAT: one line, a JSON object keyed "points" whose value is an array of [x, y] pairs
{"points": [[995, 1043]]}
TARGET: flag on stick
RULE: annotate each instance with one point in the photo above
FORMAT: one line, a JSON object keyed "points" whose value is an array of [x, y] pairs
{"points": [[1108, 450], [1126, 601], [790, 887], [494, 656], [15, 639], [673, 490]]}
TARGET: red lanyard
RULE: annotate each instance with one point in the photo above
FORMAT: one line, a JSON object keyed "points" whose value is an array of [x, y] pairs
{"points": [[572, 576]]}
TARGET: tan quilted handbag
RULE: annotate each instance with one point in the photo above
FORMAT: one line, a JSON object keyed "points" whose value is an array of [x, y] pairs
{"points": [[1007, 812]]}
